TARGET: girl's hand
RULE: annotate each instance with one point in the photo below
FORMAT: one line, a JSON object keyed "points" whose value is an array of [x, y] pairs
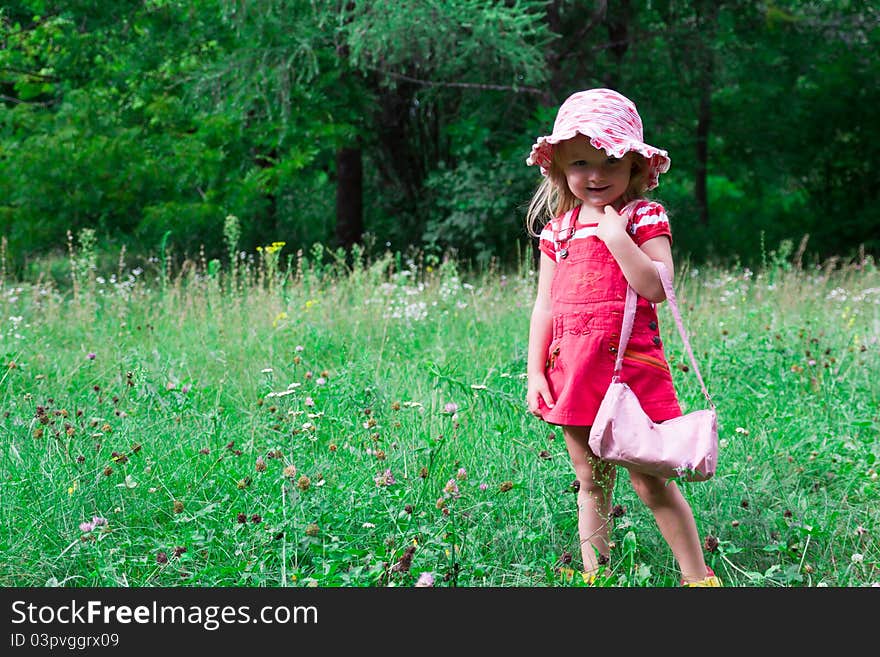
{"points": [[611, 226], [538, 394]]}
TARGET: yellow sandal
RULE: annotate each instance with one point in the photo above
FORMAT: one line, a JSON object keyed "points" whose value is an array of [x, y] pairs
{"points": [[711, 580]]}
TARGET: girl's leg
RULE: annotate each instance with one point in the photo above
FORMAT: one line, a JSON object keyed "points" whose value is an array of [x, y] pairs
{"points": [[593, 499], [675, 521]]}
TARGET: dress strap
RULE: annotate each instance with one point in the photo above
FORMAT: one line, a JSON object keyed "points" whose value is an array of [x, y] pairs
{"points": [[629, 313]]}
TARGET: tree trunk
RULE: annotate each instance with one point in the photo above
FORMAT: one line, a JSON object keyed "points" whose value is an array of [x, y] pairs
{"points": [[705, 65], [704, 118], [349, 196], [618, 22]]}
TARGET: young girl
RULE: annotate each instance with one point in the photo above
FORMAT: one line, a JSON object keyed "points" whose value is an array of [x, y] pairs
{"points": [[602, 235]]}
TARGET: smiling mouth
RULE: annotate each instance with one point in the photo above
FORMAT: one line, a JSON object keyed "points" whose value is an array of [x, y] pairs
{"points": [[598, 189]]}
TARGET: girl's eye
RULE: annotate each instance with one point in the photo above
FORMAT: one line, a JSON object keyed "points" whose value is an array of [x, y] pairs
{"points": [[614, 160]]}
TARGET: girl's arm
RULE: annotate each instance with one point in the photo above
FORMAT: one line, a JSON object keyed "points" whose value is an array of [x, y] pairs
{"points": [[540, 334], [635, 261]]}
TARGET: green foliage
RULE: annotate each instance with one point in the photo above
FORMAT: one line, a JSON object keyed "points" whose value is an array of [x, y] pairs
{"points": [[140, 118]]}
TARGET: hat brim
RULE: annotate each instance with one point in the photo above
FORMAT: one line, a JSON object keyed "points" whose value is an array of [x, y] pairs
{"points": [[658, 159]]}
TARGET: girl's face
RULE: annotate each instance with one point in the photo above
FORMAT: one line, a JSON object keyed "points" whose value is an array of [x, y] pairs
{"points": [[592, 175]]}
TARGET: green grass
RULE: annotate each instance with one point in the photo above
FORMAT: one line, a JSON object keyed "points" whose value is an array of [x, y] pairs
{"points": [[175, 430]]}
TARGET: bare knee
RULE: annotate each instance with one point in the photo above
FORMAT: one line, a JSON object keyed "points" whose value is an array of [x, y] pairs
{"points": [[652, 491], [594, 478]]}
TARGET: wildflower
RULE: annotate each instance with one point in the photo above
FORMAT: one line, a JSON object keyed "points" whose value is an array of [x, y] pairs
{"points": [[92, 355], [309, 401], [461, 474], [403, 565], [98, 521], [505, 486], [425, 580], [484, 486], [289, 471], [618, 511], [299, 347], [303, 482], [451, 408], [260, 464], [185, 388], [384, 478], [312, 529], [256, 518], [266, 370], [857, 558], [742, 430], [451, 488], [320, 381], [241, 518], [178, 506], [711, 543], [161, 557], [86, 526], [180, 549], [368, 525]]}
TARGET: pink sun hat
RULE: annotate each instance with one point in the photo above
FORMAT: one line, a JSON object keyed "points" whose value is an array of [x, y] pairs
{"points": [[612, 123]]}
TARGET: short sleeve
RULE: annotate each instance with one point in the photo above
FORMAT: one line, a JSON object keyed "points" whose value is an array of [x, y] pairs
{"points": [[546, 242], [649, 221]]}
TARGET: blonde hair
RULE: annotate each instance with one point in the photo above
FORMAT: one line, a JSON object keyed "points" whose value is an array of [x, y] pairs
{"points": [[554, 197]]}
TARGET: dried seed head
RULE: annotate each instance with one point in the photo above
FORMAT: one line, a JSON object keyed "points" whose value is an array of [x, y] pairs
{"points": [[711, 543]]}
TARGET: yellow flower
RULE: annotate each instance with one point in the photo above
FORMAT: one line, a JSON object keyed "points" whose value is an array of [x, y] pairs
{"points": [[278, 318], [72, 488]]}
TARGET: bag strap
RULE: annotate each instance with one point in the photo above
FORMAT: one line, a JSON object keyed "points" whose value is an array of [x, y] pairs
{"points": [[629, 315]]}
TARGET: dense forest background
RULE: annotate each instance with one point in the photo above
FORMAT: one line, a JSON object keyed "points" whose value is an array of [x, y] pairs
{"points": [[402, 124]]}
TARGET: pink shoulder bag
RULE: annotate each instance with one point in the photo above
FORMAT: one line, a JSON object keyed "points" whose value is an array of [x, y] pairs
{"points": [[685, 447]]}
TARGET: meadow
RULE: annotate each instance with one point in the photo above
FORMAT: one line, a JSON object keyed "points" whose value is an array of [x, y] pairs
{"points": [[310, 420]]}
